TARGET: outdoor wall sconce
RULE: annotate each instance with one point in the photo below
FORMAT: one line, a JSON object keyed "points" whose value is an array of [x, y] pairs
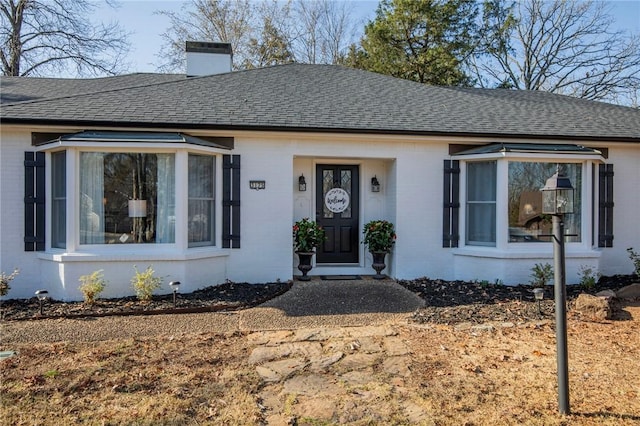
{"points": [[137, 208], [175, 286], [41, 295], [302, 184], [557, 200], [375, 185]]}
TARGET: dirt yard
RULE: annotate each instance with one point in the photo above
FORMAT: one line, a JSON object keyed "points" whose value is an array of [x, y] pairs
{"points": [[396, 373]]}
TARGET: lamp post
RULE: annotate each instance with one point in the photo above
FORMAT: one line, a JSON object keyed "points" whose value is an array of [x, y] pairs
{"points": [[175, 285], [557, 200], [41, 295]]}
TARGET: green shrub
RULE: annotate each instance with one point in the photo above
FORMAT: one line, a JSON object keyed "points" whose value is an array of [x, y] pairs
{"points": [[92, 285], [588, 277], [635, 258], [5, 280], [541, 274], [144, 283]]}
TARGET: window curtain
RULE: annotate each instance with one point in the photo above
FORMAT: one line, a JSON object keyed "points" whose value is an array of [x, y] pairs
{"points": [[573, 222], [91, 196], [166, 226]]}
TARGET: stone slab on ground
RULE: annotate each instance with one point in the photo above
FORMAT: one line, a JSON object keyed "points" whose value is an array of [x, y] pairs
{"points": [[394, 346], [311, 385], [263, 354], [280, 370], [397, 366]]}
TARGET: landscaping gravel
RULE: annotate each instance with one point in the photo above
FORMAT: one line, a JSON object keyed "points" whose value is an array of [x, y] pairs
{"points": [[289, 306]]}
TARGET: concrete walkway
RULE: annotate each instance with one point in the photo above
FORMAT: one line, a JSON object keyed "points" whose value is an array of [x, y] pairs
{"points": [[322, 303], [338, 297]]}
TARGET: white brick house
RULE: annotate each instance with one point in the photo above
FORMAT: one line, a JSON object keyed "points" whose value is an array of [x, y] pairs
{"points": [[459, 171]]}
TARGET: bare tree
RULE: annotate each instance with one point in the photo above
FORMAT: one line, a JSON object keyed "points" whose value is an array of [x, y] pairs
{"points": [[227, 21], [272, 45], [266, 32], [49, 37], [324, 30], [563, 46]]}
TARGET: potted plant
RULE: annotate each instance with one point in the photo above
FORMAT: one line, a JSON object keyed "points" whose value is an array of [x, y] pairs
{"points": [[307, 235], [379, 237]]}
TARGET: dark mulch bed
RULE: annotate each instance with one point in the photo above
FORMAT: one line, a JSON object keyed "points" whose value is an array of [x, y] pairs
{"points": [[452, 302], [447, 302], [224, 297]]}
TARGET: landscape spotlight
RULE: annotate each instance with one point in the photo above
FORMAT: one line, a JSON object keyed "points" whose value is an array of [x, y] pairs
{"points": [[175, 285], [538, 293], [41, 295]]}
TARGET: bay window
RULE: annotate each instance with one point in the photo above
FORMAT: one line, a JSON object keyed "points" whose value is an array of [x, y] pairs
{"points": [[502, 196], [153, 192], [131, 198]]}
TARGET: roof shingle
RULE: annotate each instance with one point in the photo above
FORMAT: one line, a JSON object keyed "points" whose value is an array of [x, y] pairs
{"points": [[315, 98]]}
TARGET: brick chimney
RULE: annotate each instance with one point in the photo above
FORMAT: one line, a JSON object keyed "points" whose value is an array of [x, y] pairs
{"points": [[208, 58]]}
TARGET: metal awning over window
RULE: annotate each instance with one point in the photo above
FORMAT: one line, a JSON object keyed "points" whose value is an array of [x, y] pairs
{"points": [[40, 139], [529, 148]]}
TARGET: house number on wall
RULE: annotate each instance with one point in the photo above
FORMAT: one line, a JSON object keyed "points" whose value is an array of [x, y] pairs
{"points": [[336, 200]]}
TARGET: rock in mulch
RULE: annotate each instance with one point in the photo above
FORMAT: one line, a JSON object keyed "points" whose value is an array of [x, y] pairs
{"points": [[607, 293], [630, 292], [593, 307]]}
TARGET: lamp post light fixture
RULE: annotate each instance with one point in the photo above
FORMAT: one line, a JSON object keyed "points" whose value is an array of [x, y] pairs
{"points": [[41, 295], [538, 293], [375, 185], [302, 184], [175, 286], [557, 200]]}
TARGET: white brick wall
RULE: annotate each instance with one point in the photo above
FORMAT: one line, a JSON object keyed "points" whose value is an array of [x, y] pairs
{"points": [[13, 144], [409, 169]]}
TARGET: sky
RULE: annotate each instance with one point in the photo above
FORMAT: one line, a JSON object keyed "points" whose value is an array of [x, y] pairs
{"points": [[139, 17]]}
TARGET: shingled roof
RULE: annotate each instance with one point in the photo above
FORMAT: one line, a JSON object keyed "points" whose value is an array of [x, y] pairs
{"points": [[320, 98]]}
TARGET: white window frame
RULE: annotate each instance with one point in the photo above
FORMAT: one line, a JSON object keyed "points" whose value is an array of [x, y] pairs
{"points": [[50, 206], [468, 203], [178, 250], [505, 248], [211, 201]]}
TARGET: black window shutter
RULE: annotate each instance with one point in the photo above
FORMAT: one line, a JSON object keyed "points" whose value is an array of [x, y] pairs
{"points": [[451, 204], [34, 201], [231, 201], [605, 207]]}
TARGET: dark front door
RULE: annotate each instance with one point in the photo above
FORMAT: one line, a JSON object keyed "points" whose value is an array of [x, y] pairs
{"points": [[337, 201]]}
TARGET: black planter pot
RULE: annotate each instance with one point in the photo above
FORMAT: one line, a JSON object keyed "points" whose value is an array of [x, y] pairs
{"points": [[378, 263], [304, 264]]}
